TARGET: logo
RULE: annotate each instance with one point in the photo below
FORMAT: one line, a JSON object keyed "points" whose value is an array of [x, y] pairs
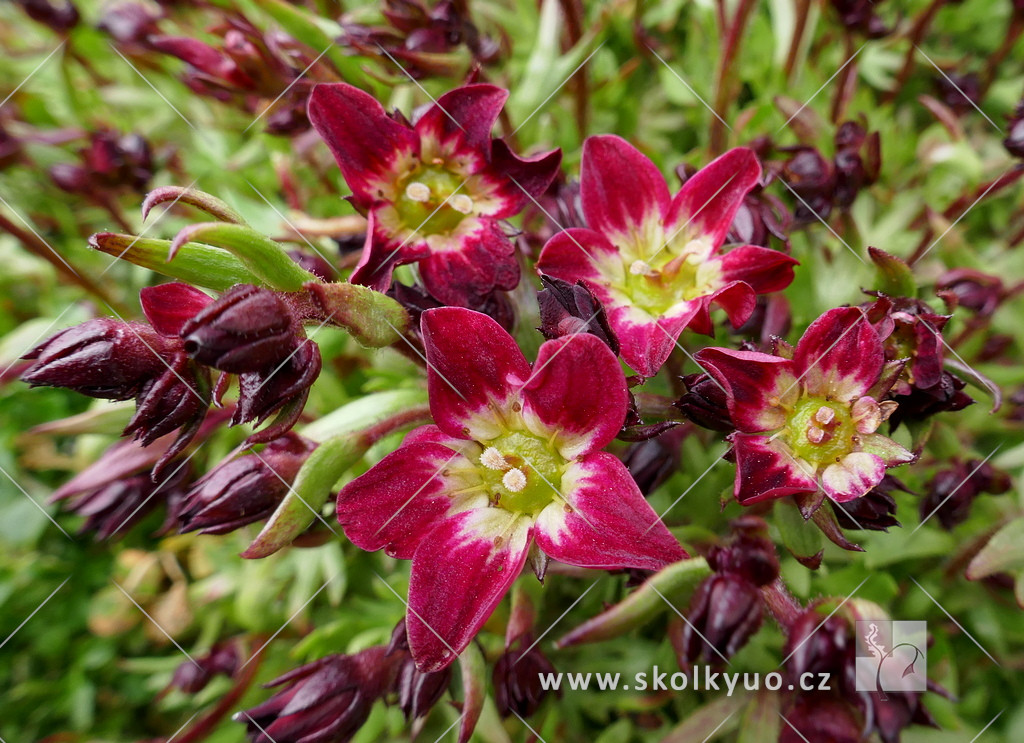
{"points": [[891, 656]]}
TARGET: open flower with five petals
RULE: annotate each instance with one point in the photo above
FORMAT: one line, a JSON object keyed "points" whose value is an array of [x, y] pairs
{"points": [[808, 424], [653, 260], [433, 191], [513, 470]]}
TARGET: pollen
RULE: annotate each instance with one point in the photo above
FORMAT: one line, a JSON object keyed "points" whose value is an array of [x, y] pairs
{"points": [[417, 191], [461, 203], [493, 459], [514, 480]]}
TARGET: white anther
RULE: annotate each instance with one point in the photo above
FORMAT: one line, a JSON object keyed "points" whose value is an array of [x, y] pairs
{"points": [[816, 435], [824, 415], [417, 191], [514, 480], [641, 268], [461, 203], [493, 459]]}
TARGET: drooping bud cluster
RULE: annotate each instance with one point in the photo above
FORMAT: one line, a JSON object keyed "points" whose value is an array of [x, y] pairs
{"points": [[192, 676], [567, 309], [109, 162], [951, 492]]}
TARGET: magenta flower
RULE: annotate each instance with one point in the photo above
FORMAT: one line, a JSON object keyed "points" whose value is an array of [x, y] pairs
{"points": [[808, 423], [434, 191], [653, 259], [513, 469]]}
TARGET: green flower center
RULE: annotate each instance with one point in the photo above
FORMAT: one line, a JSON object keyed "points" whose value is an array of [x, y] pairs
{"points": [[656, 278], [432, 200], [821, 431], [522, 471]]}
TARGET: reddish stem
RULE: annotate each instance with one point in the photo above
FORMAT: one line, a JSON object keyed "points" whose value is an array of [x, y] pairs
{"points": [[917, 33], [802, 9], [724, 79], [780, 602]]}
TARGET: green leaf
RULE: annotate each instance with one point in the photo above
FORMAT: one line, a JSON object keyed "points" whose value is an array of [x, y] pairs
{"points": [[199, 199], [802, 539], [894, 275], [261, 255], [1003, 553], [760, 720], [709, 722], [199, 265]]}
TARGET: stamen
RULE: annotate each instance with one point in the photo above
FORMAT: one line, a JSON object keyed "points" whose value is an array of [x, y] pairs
{"points": [[641, 268], [461, 203], [493, 459], [824, 415], [417, 191], [514, 480], [817, 435]]}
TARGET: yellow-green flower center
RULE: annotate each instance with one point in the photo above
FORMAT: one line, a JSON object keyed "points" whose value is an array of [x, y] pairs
{"points": [[659, 276], [521, 471], [432, 200], [821, 431]]}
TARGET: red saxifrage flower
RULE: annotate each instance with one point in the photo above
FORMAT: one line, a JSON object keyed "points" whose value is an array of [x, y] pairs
{"points": [[807, 423], [434, 191], [653, 260], [513, 469]]}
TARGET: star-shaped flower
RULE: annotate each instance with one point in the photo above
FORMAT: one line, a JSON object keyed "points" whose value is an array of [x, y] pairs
{"points": [[809, 423], [434, 191], [513, 469], [653, 260]]}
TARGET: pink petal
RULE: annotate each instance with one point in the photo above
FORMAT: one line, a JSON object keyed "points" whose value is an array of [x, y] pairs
{"points": [[169, 306], [431, 434], [577, 394], [368, 145], [482, 262], [460, 124], [381, 255], [475, 370], [765, 469], [757, 385], [460, 573], [708, 202], [840, 355], [621, 190], [607, 523], [853, 477], [765, 270], [885, 449], [576, 254], [515, 181], [737, 299], [646, 342], [403, 497]]}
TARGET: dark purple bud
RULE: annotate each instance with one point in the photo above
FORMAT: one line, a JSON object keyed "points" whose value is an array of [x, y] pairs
{"points": [[104, 358], [193, 677], [921, 404], [874, 511], [860, 16], [653, 461], [243, 490], [204, 58], [951, 492], [977, 291], [417, 692], [315, 263], [516, 677], [898, 711], [807, 171], [114, 508], [323, 702], [821, 717], [705, 403], [750, 554], [129, 22], [70, 178], [179, 397], [1014, 142], [59, 15], [568, 309], [959, 92], [818, 643], [724, 614], [262, 393], [248, 329]]}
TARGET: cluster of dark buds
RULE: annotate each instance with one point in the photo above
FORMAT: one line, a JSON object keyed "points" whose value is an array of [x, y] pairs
{"points": [[192, 676], [824, 184], [417, 691], [726, 610], [109, 162], [861, 16], [244, 490], [517, 677], [59, 15], [875, 510], [950, 493], [424, 37], [975, 290]]}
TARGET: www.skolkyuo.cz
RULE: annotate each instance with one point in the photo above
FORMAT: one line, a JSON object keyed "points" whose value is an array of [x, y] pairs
{"points": [[698, 678]]}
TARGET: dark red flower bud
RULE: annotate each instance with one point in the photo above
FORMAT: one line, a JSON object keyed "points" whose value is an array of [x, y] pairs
{"points": [[1014, 142], [860, 16], [977, 291], [922, 404], [750, 554], [567, 309], [59, 15], [323, 702], [653, 461], [724, 614], [178, 397], [243, 490], [104, 358], [874, 511], [898, 711], [516, 677], [70, 178], [705, 403], [818, 643], [418, 692], [821, 717], [960, 92], [951, 492], [129, 22], [262, 393], [192, 677], [115, 507], [247, 329]]}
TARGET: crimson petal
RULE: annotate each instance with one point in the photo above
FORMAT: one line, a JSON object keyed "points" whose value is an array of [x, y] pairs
{"points": [[620, 188], [756, 384], [840, 355], [764, 469], [765, 270], [708, 202], [485, 261], [460, 123], [169, 306]]}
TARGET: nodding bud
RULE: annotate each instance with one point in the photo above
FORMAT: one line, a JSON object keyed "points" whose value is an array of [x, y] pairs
{"points": [[951, 492], [262, 393], [724, 614], [821, 718], [322, 702], [418, 692], [59, 16], [818, 643], [705, 403], [979, 292], [245, 489], [192, 676], [517, 674], [247, 329], [103, 358], [179, 396], [874, 511], [567, 309]]}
